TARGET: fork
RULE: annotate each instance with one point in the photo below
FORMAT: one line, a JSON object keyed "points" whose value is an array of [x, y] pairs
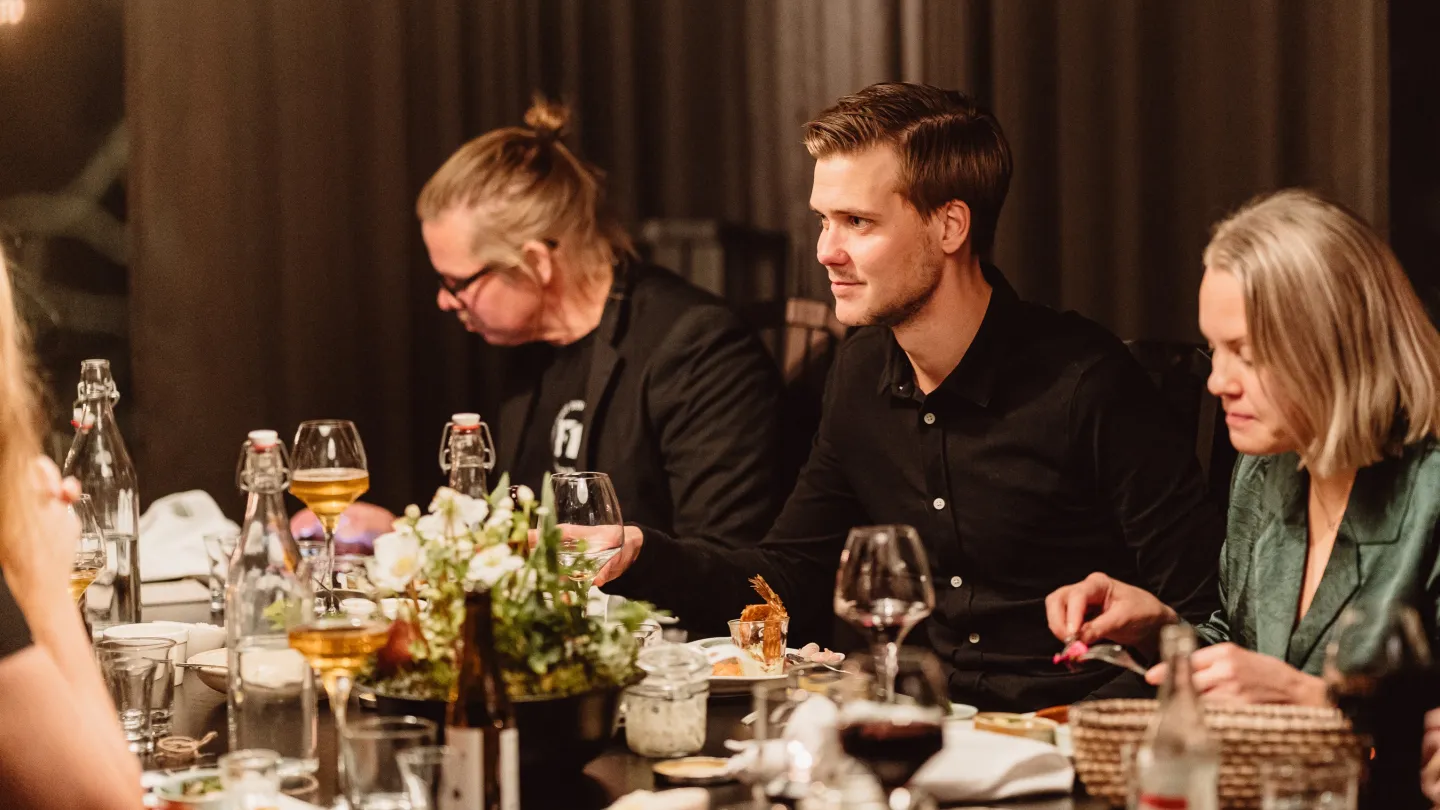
{"points": [[1113, 654]]}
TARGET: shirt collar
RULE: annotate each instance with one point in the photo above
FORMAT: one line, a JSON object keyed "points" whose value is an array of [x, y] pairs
{"points": [[974, 378]]}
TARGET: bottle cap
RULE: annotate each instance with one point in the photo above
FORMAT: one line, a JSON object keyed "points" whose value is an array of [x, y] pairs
{"points": [[466, 420], [264, 439]]}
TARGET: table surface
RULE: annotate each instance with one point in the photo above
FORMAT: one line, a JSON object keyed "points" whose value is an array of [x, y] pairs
{"points": [[199, 709]]}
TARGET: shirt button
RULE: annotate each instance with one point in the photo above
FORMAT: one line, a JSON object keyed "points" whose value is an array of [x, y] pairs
{"points": [[939, 503], [929, 418], [955, 582], [974, 638]]}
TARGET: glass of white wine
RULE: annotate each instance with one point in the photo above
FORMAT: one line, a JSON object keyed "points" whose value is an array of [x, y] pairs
{"points": [[338, 647], [90, 554], [329, 474], [588, 510]]}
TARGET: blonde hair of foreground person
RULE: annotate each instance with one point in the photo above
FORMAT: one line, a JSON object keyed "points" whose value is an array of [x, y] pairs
{"points": [[1336, 325], [60, 740]]}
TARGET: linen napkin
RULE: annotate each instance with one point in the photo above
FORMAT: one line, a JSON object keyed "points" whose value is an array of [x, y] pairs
{"points": [[172, 535], [978, 766], [974, 766]]}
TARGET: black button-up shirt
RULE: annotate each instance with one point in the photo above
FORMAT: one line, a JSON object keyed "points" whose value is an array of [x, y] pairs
{"points": [[1045, 455]]}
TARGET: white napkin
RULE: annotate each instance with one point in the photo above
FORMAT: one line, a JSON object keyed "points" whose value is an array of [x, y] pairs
{"points": [[172, 535], [978, 766], [692, 798]]}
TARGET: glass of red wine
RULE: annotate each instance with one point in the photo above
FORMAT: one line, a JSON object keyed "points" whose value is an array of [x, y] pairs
{"points": [[895, 729], [1380, 674], [883, 588]]}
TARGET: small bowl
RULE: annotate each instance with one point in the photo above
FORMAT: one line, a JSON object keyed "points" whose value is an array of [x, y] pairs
{"points": [[215, 668], [170, 791]]}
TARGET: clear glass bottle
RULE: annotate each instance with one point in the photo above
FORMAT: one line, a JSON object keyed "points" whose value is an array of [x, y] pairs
{"points": [[1177, 766], [99, 461], [272, 699], [467, 454]]}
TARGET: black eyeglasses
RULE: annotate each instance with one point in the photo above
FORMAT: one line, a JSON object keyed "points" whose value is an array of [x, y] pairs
{"points": [[456, 286]]}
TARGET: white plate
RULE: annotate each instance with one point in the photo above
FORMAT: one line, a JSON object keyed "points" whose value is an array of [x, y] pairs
{"points": [[733, 684], [963, 711]]}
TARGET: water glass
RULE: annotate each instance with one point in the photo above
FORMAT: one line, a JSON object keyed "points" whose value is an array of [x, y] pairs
{"points": [[162, 689], [219, 546], [128, 679], [794, 742], [426, 771], [251, 778], [1296, 784], [370, 751]]}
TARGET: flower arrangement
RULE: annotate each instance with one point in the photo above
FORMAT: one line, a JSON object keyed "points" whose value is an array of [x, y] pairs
{"points": [[545, 641]]}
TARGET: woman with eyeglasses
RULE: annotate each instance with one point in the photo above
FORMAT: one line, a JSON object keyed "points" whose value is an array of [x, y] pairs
{"points": [[1329, 372], [616, 366]]}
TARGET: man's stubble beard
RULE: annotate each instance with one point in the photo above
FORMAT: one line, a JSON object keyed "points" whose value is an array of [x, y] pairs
{"points": [[922, 281]]}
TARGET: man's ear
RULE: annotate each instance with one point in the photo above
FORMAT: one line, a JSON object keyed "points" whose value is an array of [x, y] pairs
{"points": [[955, 230], [540, 258]]}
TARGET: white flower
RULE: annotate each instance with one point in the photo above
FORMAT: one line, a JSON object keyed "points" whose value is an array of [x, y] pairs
{"points": [[443, 497], [500, 517], [398, 558], [412, 511], [525, 494], [506, 503], [472, 511], [491, 564], [431, 527]]}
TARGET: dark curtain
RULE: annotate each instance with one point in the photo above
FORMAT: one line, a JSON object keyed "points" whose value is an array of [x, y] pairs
{"points": [[277, 147], [278, 273]]}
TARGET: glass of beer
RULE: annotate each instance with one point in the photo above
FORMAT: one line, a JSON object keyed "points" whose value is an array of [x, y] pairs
{"points": [[89, 548], [329, 474]]}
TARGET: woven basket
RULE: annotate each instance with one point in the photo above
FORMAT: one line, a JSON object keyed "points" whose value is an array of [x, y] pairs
{"points": [[1247, 734]]}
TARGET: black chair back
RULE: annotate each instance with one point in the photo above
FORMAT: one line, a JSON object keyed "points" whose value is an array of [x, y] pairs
{"points": [[1179, 371]]}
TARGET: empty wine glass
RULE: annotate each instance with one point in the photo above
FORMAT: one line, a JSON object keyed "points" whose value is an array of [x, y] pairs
{"points": [[892, 716], [89, 548], [588, 511], [329, 474], [883, 587]]}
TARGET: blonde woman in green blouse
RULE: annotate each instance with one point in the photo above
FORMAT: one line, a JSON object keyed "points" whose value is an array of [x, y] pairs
{"points": [[1329, 372]]}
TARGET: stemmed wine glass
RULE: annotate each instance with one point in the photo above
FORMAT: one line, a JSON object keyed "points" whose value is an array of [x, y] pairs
{"points": [[586, 500], [89, 548], [338, 647], [883, 587], [330, 473], [1379, 672], [892, 716]]}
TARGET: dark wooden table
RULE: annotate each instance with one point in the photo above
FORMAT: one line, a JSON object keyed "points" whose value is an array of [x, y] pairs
{"points": [[199, 709]]}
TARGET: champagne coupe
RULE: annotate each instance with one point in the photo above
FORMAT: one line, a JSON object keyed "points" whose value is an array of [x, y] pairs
{"points": [[586, 500], [329, 474], [892, 716], [89, 548], [883, 587]]}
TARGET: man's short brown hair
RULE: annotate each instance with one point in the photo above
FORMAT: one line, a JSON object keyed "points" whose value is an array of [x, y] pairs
{"points": [[950, 148]]}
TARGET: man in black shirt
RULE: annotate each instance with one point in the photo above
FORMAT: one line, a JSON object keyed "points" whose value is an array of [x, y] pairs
{"points": [[1025, 446]]}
